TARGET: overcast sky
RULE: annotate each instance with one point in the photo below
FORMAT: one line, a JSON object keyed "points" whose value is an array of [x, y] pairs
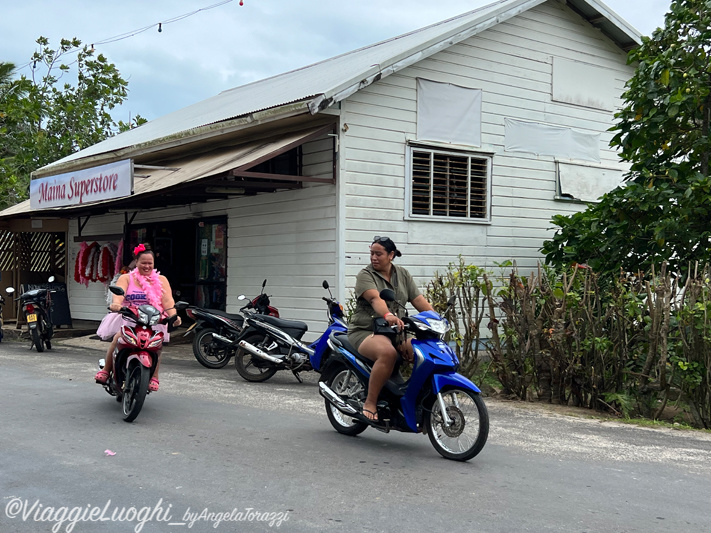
{"points": [[229, 45]]}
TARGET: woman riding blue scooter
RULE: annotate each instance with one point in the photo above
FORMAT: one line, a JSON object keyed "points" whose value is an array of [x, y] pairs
{"points": [[381, 274]]}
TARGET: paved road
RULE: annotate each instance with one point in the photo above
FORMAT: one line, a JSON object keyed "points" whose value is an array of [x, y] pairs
{"points": [[210, 443]]}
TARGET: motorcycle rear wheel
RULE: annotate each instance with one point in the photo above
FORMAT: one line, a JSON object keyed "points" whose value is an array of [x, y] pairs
{"points": [[466, 437], [345, 388], [249, 369], [37, 339], [135, 394], [209, 352]]}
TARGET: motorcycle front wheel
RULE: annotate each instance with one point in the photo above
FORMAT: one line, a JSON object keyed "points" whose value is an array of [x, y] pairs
{"points": [[466, 435], [209, 352], [135, 393], [346, 385], [251, 367], [37, 339]]}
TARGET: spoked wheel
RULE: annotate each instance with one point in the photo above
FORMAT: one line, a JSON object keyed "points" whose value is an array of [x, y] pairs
{"points": [[135, 393], [347, 386], [37, 339], [466, 435], [251, 367], [209, 352]]}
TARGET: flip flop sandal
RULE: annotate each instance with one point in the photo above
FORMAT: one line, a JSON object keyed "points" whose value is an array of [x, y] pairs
{"points": [[153, 385], [374, 413], [102, 376]]}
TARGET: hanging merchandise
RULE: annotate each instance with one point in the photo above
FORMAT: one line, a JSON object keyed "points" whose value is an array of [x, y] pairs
{"points": [[78, 264], [92, 262], [85, 267], [105, 264], [118, 263]]}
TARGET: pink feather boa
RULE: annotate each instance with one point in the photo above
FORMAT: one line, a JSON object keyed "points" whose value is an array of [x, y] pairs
{"points": [[150, 285]]}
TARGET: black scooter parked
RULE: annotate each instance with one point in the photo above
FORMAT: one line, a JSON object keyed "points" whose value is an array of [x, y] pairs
{"points": [[213, 324], [37, 306]]}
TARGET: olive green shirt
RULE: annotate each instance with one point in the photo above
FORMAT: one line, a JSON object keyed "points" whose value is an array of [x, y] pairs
{"points": [[360, 325]]}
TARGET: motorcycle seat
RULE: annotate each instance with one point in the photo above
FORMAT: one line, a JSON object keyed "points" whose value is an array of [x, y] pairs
{"points": [[236, 317], [281, 323], [34, 293]]}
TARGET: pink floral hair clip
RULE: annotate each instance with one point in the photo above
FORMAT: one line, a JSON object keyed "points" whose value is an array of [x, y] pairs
{"points": [[138, 249]]}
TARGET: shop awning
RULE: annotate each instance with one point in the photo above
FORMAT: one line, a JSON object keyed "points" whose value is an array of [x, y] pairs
{"points": [[220, 173]]}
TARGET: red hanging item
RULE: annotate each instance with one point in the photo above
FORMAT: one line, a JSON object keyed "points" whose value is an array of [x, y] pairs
{"points": [[87, 259], [78, 263], [105, 263]]}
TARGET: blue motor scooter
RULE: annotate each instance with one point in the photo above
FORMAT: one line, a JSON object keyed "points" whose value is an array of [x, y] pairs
{"points": [[435, 400]]}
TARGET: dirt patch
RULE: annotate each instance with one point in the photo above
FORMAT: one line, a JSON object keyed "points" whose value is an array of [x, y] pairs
{"points": [[674, 416]]}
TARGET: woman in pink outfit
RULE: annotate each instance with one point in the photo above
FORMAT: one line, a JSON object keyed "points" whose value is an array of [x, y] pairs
{"points": [[143, 285]]}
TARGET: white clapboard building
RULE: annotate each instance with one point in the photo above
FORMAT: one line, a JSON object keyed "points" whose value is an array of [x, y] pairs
{"points": [[464, 137]]}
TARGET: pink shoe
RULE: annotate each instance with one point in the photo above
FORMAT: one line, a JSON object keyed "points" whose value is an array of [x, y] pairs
{"points": [[153, 384], [102, 376]]}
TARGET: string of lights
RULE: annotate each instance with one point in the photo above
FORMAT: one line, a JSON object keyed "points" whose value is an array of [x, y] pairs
{"points": [[138, 31]]}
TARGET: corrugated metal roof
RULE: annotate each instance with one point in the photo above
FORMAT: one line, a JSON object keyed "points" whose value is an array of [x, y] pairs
{"points": [[324, 83]]}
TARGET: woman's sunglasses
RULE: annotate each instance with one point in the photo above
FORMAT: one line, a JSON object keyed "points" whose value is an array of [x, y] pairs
{"points": [[380, 239]]}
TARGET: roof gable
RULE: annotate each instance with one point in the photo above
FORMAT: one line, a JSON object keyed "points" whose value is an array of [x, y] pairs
{"points": [[317, 86]]}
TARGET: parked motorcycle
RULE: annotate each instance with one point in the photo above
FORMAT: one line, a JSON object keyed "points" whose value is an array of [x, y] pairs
{"points": [[37, 307], [211, 322], [435, 400], [136, 355], [270, 344]]}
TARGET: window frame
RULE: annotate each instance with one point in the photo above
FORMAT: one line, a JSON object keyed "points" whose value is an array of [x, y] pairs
{"points": [[460, 152]]}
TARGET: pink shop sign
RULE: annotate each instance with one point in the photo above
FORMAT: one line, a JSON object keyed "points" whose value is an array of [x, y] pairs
{"points": [[105, 182]]}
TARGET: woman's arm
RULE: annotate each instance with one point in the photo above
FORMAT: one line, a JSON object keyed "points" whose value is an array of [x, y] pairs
{"points": [[421, 304], [372, 296], [117, 300], [168, 302]]}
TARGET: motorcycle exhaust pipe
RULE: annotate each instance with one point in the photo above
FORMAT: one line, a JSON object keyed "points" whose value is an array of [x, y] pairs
{"points": [[259, 353], [335, 400], [223, 340]]}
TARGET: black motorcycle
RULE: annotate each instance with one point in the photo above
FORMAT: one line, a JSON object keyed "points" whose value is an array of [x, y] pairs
{"points": [[37, 306], [270, 344], [214, 329]]}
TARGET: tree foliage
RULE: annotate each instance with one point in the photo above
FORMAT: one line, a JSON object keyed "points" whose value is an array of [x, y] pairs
{"points": [[45, 117], [663, 211]]}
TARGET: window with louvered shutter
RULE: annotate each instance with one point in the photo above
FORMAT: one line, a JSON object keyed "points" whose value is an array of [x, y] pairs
{"points": [[449, 184]]}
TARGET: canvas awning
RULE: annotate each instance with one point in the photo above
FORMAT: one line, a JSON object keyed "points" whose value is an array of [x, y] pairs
{"points": [[220, 173]]}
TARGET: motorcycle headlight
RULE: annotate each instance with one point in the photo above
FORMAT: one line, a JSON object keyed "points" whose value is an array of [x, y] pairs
{"points": [[148, 315], [440, 326]]}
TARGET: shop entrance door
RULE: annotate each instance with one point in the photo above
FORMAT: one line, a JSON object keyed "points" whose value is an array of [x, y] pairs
{"points": [[211, 284], [192, 254]]}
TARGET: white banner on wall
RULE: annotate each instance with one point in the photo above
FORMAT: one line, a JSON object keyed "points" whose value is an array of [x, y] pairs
{"points": [[448, 113], [114, 180], [587, 183], [558, 141]]}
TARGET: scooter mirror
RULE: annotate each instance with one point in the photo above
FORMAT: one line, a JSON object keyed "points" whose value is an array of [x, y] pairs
{"points": [[241, 297], [325, 284], [10, 290], [51, 279], [388, 295], [118, 291], [264, 284]]}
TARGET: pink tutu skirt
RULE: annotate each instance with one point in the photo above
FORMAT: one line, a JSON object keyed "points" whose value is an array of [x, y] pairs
{"points": [[112, 322]]}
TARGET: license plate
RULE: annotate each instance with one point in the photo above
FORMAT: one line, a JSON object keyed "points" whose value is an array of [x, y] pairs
{"points": [[32, 318]]}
